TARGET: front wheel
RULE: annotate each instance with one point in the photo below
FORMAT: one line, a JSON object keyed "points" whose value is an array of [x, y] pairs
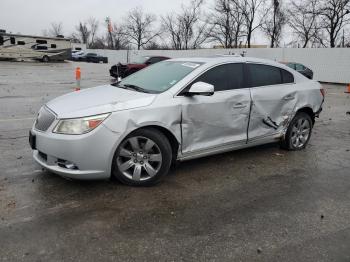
{"points": [[142, 158], [298, 133]]}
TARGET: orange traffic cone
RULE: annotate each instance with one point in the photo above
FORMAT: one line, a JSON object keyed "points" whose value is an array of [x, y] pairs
{"points": [[348, 89], [77, 77]]}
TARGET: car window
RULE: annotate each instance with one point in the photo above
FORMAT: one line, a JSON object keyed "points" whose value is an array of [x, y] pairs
{"points": [[263, 75], [40, 41], [291, 65], [299, 67], [153, 60], [40, 47], [287, 77], [224, 77], [140, 60], [161, 76]]}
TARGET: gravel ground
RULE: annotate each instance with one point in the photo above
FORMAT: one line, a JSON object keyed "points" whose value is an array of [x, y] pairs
{"points": [[257, 204]]}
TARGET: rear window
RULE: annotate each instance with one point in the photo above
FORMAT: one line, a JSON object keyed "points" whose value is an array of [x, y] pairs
{"points": [[299, 67]]}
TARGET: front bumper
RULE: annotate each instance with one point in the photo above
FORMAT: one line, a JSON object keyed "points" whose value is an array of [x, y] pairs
{"points": [[87, 157]]}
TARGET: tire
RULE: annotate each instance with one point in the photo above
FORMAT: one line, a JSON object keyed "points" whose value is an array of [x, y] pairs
{"points": [[298, 133], [142, 158], [46, 59]]}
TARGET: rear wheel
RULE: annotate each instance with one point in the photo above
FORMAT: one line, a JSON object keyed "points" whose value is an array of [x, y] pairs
{"points": [[142, 158], [298, 133]]}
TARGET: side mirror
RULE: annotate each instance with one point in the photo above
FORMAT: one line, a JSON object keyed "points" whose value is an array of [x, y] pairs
{"points": [[201, 88]]}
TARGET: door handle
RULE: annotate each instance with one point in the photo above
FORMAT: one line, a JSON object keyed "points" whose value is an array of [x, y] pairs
{"points": [[289, 97], [239, 105]]}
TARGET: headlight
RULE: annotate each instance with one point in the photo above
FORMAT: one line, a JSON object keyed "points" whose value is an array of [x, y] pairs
{"points": [[78, 126]]}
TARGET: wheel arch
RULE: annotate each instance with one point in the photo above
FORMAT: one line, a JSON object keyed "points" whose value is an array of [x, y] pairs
{"points": [[174, 142], [308, 110]]}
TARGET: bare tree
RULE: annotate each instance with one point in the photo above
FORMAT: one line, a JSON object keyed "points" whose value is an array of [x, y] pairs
{"points": [[55, 29], [186, 29], [93, 25], [83, 32], [334, 15], [139, 27], [273, 22], [120, 38], [250, 10], [172, 25], [303, 20], [227, 21]]}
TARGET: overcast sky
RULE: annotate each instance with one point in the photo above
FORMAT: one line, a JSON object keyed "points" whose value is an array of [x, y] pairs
{"points": [[33, 16]]}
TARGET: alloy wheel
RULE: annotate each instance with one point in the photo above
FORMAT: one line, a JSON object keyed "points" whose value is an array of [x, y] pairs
{"points": [[139, 158], [300, 133]]}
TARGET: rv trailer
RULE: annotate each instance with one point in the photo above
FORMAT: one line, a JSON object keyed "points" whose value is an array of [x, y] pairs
{"points": [[15, 47]]}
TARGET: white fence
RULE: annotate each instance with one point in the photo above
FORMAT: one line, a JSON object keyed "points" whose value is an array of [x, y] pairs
{"points": [[329, 65]]}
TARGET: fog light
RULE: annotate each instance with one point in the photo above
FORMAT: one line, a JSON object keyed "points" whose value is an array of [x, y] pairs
{"points": [[66, 164]]}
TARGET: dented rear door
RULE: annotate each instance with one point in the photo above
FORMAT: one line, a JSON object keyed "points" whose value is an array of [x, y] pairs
{"points": [[273, 100]]}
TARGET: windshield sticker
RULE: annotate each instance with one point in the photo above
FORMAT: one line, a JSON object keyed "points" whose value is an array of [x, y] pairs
{"points": [[192, 65]]}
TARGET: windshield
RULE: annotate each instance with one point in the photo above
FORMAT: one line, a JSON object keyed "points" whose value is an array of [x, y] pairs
{"points": [[140, 60], [161, 76]]}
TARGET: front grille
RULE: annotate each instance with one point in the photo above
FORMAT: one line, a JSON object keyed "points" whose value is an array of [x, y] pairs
{"points": [[44, 120]]}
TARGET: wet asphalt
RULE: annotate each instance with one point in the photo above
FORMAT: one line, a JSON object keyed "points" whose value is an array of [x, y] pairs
{"points": [[257, 204]]}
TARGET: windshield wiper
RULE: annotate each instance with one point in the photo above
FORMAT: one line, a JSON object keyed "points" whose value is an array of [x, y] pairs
{"points": [[137, 88], [133, 87]]}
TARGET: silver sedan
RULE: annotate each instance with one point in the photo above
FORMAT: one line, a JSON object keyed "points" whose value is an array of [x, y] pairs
{"points": [[175, 110]]}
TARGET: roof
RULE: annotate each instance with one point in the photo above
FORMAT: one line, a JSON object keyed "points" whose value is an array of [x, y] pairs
{"points": [[33, 36], [227, 58]]}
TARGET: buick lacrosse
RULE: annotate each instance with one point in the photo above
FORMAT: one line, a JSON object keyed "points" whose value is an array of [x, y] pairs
{"points": [[174, 110]]}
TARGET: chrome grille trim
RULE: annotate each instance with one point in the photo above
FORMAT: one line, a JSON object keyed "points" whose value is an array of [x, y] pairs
{"points": [[44, 120]]}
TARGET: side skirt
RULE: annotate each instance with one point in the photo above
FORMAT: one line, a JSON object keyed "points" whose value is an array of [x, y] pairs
{"points": [[230, 147]]}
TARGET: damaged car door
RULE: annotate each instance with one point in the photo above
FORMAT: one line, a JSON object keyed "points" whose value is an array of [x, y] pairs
{"points": [[273, 100], [218, 120]]}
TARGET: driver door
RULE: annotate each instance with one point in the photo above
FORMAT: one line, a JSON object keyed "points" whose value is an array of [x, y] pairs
{"points": [[218, 120]]}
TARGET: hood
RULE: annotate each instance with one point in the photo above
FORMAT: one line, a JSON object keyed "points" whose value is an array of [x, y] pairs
{"points": [[98, 100]]}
